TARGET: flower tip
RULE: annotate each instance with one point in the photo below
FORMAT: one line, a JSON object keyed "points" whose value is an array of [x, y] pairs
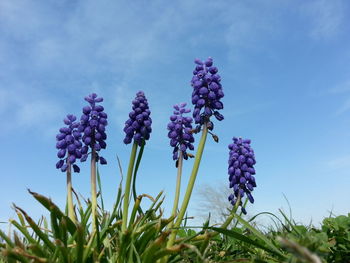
{"points": [[59, 164], [71, 117], [103, 161], [66, 121], [209, 62], [76, 168], [64, 167], [127, 140], [140, 93], [83, 157], [198, 61]]}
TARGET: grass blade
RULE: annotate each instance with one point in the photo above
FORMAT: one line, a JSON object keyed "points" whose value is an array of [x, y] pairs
{"points": [[100, 188], [37, 230], [259, 235], [246, 239]]}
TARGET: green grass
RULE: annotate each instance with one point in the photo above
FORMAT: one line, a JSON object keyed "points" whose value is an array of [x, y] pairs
{"points": [[58, 239]]}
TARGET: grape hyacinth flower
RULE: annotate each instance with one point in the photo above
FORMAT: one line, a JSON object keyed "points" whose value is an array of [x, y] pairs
{"points": [[206, 95], [137, 129], [92, 125], [207, 92], [241, 171], [69, 144], [180, 131], [181, 138], [138, 126]]}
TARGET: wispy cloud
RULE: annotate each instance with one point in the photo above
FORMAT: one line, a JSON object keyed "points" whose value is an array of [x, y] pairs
{"points": [[29, 112], [340, 162], [344, 107], [340, 88], [247, 28], [36, 113], [327, 17], [89, 45], [122, 103]]}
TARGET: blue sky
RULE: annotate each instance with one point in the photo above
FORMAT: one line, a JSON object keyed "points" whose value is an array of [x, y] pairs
{"points": [[285, 73]]}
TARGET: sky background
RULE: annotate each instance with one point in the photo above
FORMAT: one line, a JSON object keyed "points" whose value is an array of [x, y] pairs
{"points": [[285, 74]]}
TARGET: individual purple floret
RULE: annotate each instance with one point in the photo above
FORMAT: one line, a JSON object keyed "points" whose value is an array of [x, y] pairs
{"points": [[207, 92], [93, 124], [69, 144], [180, 131], [241, 170], [138, 126]]}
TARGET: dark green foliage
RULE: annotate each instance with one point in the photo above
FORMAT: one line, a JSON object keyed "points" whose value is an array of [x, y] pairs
{"points": [[337, 231], [60, 240]]}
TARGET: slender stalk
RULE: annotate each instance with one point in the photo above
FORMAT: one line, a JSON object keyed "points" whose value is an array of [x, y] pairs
{"points": [[178, 184], [136, 206], [233, 213], [128, 185], [240, 214], [189, 186], [223, 226], [137, 164], [93, 189], [71, 213]]}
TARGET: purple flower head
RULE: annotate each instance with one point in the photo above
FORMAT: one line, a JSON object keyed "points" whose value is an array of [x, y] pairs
{"points": [[138, 126], [180, 131], [69, 144], [93, 124], [241, 170], [207, 92]]}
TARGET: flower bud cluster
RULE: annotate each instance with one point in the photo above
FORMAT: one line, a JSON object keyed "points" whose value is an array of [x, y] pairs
{"points": [[241, 170], [138, 126], [207, 92], [93, 124], [69, 144], [180, 131]]}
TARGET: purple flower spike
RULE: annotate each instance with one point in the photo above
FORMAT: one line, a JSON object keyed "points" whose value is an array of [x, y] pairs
{"points": [[93, 123], [138, 126], [68, 144], [180, 131], [241, 170], [207, 92]]}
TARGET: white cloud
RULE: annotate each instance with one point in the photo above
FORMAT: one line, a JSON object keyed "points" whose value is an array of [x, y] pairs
{"points": [[246, 27], [39, 112], [341, 88], [20, 109], [89, 41], [344, 108], [4, 101], [340, 162], [327, 17], [122, 104]]}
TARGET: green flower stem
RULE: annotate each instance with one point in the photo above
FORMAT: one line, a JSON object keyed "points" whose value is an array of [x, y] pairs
{"points": [[137, 164], [240, 214], [136, 206], [232, 215], [223, 226], [189, 186], [71, 213], [178, 184], [128, 185], [93, 189]]}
